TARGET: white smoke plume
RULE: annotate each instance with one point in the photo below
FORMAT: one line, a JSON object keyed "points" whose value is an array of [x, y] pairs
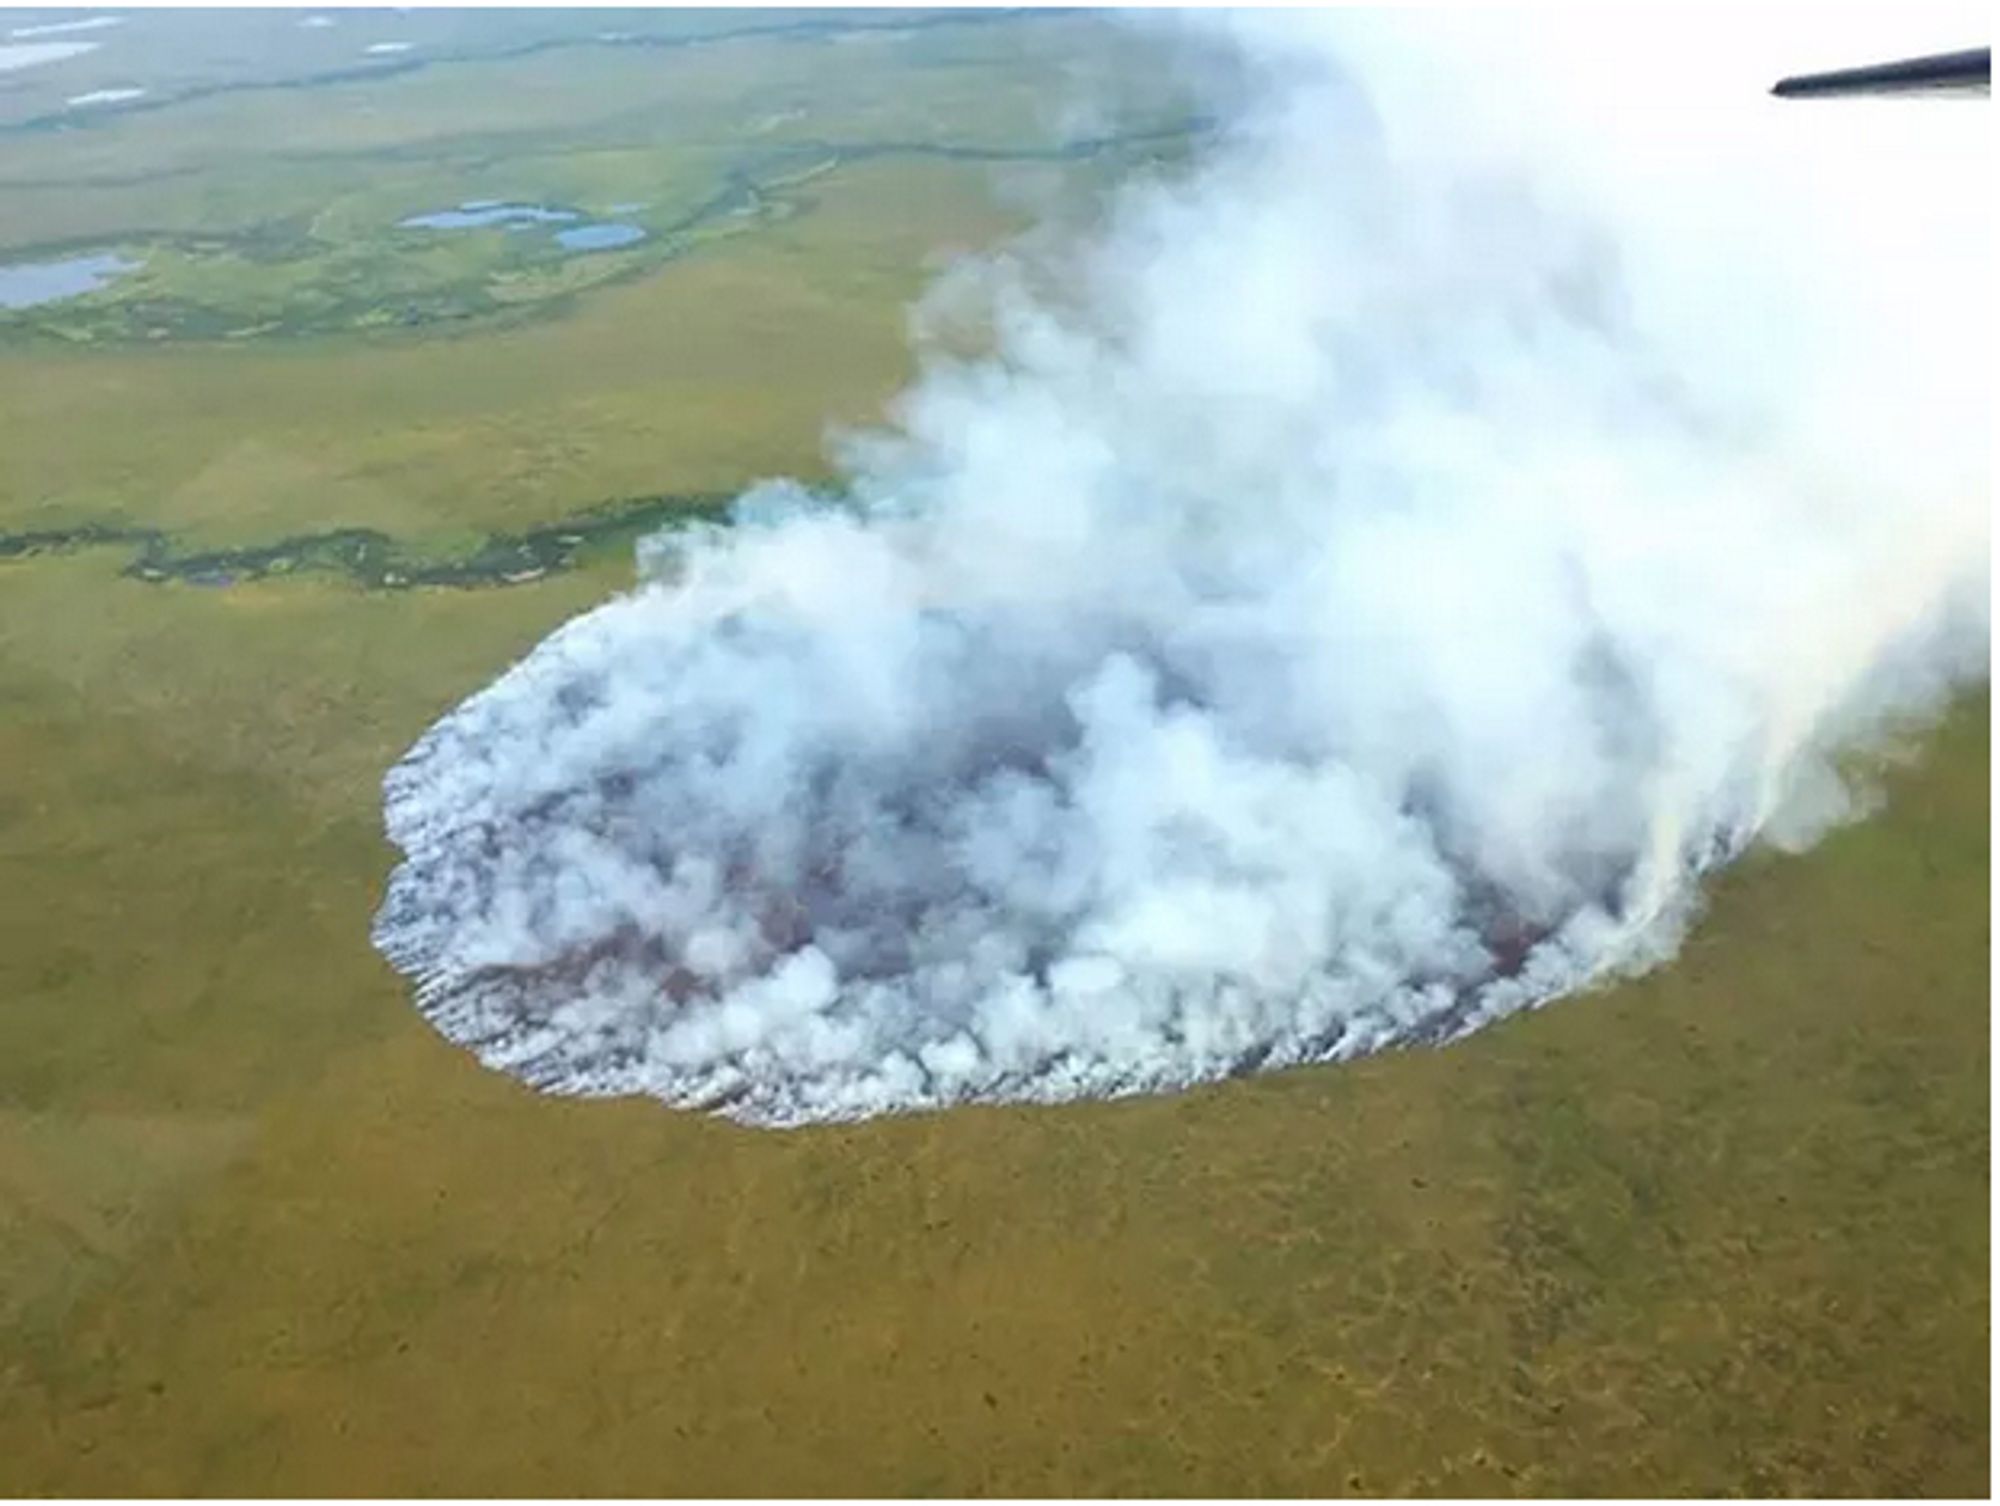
{"points": [[1366, 584]]}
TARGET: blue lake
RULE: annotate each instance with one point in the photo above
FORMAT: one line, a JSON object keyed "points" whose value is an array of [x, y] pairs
{"points": [[475, 214], [25, 284], [598, 237]]}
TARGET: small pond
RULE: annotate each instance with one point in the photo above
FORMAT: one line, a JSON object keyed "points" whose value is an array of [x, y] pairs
{"points": [[481, 214], [25, 284], [476, 214], [598, 237]]}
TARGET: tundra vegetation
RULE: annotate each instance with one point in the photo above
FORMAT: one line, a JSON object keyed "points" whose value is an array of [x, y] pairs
{"points": [[261, 1232]]}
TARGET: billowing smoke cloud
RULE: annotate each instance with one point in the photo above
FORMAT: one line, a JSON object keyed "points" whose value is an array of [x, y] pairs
{"points": [[1364, 587]]}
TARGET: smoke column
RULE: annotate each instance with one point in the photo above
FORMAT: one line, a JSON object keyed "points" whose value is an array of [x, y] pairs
{"points": [[1366, 584]]}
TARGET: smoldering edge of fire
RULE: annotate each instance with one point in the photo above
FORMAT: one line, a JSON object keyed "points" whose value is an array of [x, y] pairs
{"points": [[1370, 581]]}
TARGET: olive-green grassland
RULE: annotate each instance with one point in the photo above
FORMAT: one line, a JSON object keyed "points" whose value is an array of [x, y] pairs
{"points": [[1721, 1230]]}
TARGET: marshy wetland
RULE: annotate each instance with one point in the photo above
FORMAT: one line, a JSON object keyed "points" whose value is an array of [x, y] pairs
{"points": [[1720, 1230]]}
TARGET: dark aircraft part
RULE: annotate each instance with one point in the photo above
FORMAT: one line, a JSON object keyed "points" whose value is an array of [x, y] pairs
{"points": [[1969, 72]]}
